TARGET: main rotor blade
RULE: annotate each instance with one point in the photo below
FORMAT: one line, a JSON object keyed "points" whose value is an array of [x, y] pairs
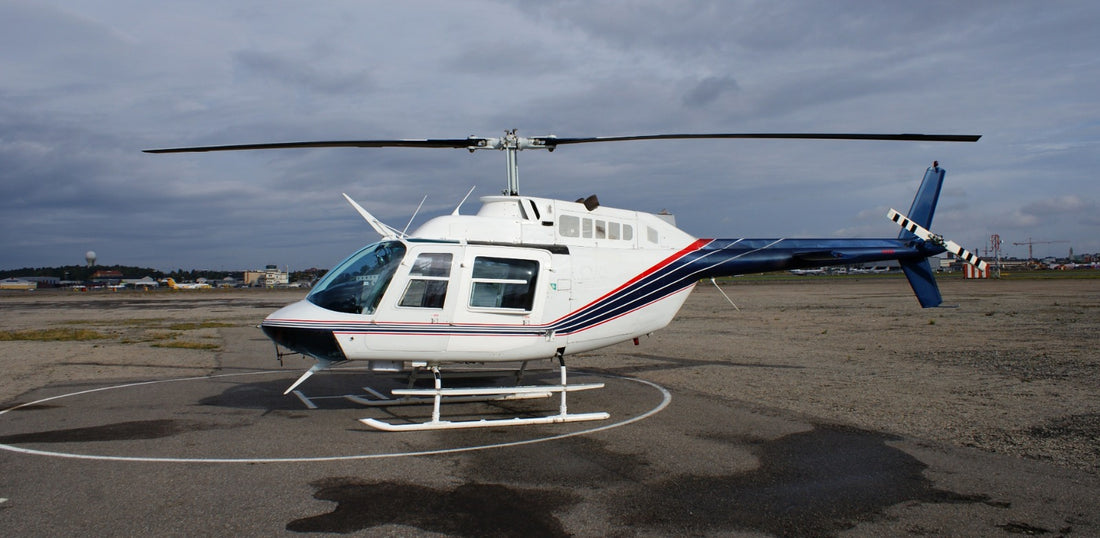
{"points": [[463, 143], [550, 142], [554, 141]]}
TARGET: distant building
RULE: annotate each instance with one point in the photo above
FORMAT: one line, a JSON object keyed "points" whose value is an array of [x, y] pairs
{"points": [[107, 277], [274, 277], [43, 281], [253, 278], [17, 284], [270, 277], [145, 282]]}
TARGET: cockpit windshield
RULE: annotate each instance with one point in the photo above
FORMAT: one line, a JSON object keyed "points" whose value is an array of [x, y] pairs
{"points": [[357, 284]]}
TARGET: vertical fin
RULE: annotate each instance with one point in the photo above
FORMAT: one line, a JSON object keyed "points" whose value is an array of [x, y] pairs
{"points": [[924, 204], [923, 282], [919, 272]]}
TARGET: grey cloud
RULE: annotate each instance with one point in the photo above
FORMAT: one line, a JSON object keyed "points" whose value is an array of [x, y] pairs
{"points": [[708, 90], [89, 85], [300, 72], [1070, 206]]}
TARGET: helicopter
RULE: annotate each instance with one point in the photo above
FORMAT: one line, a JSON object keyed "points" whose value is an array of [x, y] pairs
{"points": [[529, 278]]}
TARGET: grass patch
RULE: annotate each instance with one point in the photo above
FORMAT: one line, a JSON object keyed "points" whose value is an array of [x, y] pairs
{"points": [[179, 344], [54, 335], [156, 323], [190, 326], [128, 322], [149, 336]]}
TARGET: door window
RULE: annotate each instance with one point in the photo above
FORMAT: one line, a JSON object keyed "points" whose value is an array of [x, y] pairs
{"points": [[504, 283], [427, 286]]}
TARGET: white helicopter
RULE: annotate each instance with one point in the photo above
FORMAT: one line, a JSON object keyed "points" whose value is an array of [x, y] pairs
{"points": [[530, 278]]}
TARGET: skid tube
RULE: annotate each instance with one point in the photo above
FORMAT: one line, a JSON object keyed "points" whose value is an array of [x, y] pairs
{"points": [[438, 393]]}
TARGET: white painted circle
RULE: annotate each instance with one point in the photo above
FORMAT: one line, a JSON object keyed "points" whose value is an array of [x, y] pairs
{"points": [[666, 398]]}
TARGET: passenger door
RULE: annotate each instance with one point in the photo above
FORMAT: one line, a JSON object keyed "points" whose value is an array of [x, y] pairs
{"points": [[502, 303]]}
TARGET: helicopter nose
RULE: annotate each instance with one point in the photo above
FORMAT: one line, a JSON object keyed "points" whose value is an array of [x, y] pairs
{"points": [[288, 327], [317, 343]]}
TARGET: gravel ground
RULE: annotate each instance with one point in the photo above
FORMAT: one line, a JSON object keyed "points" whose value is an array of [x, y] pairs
{"points": [[1014, 369]]}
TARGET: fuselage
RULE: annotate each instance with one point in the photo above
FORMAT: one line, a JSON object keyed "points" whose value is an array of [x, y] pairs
{"points": [[527, 277]]}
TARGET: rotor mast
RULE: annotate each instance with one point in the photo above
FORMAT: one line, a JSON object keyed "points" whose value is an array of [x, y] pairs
{"points": [[511, 144]]}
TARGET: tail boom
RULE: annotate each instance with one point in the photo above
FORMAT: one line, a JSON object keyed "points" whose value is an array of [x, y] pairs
{"points": [[729, 257]]}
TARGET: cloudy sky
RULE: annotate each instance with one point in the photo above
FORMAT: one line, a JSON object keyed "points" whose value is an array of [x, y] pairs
{"points": [[86, 85]]}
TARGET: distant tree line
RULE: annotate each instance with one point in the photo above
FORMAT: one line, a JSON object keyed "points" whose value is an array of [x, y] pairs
{"points": [[83, 273]]}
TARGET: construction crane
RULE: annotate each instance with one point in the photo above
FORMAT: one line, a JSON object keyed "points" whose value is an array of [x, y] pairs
{"points": [[1030, 242]]}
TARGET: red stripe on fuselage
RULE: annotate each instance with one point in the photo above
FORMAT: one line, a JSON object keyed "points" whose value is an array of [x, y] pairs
{"points": [[698, 244]]}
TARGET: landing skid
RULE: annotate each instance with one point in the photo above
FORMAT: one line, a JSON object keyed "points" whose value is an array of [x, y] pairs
{"points": [[436, 395], [378, 399], [381, 400]]}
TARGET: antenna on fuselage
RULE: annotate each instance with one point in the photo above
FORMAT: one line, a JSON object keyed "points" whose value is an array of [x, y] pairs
{"points": [[385, 231], [403, 234], [459, 206]]}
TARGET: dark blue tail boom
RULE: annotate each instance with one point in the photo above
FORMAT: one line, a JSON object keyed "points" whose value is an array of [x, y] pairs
{"points": [[728, 257]]}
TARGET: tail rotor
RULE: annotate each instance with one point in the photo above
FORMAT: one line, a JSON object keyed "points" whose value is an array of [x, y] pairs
{"points": [[936, 239]]}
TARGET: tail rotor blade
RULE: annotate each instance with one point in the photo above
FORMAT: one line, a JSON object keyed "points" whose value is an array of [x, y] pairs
{"points": [[966, 255], [936, 239]]}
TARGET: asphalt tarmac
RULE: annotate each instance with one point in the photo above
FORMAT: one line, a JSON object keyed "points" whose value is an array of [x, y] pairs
{"points": [[227, 454]]}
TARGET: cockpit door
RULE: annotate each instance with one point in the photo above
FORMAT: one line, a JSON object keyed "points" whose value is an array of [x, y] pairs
{"points": [[415, 314]]}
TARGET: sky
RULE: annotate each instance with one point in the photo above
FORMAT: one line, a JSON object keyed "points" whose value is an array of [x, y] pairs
{"points": [[86, 85]]}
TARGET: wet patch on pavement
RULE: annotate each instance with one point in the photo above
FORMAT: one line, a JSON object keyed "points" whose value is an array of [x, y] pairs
{"points": [[808, 484], [576, 462], [813, 483], [468, 510]]}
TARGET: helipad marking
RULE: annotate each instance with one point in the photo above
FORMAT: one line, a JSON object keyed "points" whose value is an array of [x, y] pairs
{"points": [[666, 398]]}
